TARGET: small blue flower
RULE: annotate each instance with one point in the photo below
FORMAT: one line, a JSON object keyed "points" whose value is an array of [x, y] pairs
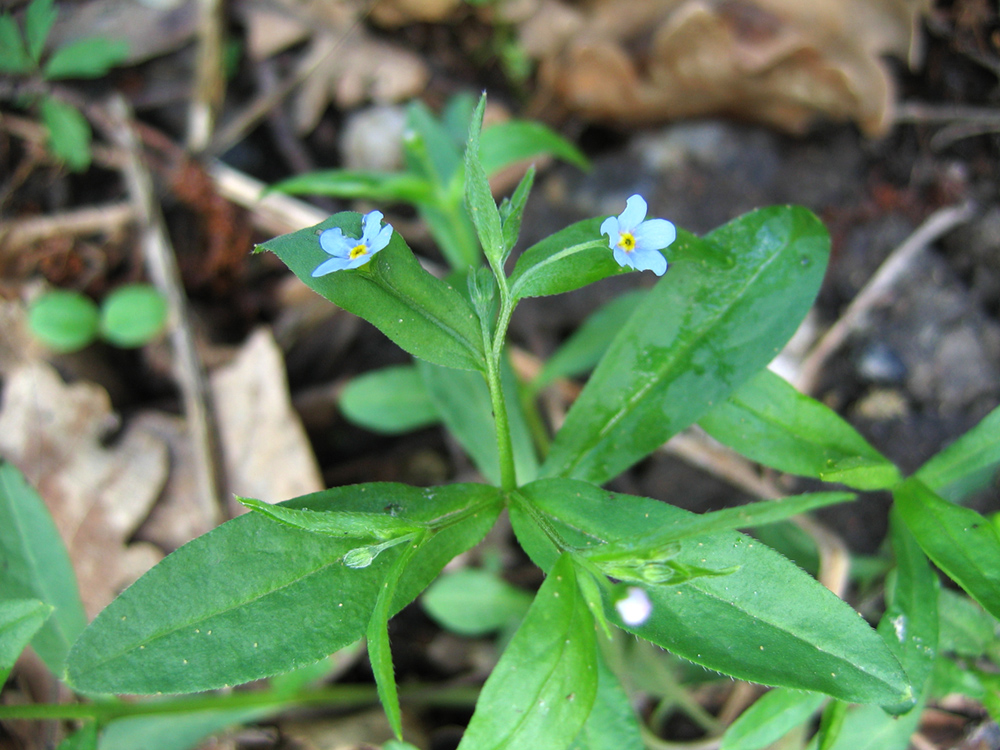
{"points": [[350, 252], [637, 243]]}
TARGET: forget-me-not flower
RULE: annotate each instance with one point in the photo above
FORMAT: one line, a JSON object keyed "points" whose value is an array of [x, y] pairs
{"points": [[351, 252], [635, 608], [637, 243]]}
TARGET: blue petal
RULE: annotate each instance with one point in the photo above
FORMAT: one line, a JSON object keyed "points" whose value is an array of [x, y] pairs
{"points": [[610, 228], [370, 223], [654, 234], [335, 243], [625, 260], [649, 260], [329, 266], [634, 213], [381, 239]]}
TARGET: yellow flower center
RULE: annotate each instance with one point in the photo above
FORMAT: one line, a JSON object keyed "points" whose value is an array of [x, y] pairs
{"points": [[357, 251], [626, 242]]}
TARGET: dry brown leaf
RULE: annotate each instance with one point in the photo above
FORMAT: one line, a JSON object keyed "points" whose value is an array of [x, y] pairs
{"points": [[97, 495], [784, 62], [267, 453], [394, 13]]}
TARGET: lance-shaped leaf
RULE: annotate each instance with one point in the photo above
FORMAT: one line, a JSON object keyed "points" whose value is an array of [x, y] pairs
{"points": [[34, 564], [702, 332], [514, 140], [770, 718], [254, 597], [388, 187], [380, 526], [20, 619], [392, 400], [767, 420], [976, 450], [478, 197], [961, 542], [765, 621], [910, 622], [422, 314], [542, 690], [612, 722]]}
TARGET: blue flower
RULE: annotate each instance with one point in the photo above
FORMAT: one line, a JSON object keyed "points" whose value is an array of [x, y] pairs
{"points": [[637, 243], [350, 252]]}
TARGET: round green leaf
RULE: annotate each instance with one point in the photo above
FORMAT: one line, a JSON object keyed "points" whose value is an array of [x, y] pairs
{"points": [[132, 315], [64, 321]]}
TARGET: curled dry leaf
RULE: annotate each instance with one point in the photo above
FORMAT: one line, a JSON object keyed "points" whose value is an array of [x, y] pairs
{"points": [[783, 62]]}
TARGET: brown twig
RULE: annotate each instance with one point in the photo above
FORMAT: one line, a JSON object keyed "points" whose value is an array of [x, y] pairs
{"points": [[161, 265], [878, 289], [273, 213], [105, 219], [210, 85]]}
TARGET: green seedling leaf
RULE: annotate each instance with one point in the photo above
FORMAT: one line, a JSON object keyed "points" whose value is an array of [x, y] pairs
{"points": [[392, 401], [581, 351], [64, 321], [474, 602], [512, 141], [38, 20], [479, 198], [216, 612], [133, 315], [965, 629], [14, 57], [463, 401], [69, 133], [542, 690], [345, 524], [770, 422], [960, 541], [87, 58], [20, 619], [422, 314], [976, 450], [34, 564], [612, 722], [702, 332], [770, 718], [512, 210], [770, 622], [387, 187], [377, 638], [910, 622]]}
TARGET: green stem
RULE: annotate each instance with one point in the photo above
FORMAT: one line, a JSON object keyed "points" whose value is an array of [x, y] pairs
{"points": [[336, 695]]}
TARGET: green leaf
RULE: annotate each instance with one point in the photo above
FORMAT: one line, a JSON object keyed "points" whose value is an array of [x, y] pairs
{"points": [[69, 133], [64, 321], [34, 564], [463, 401], [508, 142], [377, 638], [612, 722], [378, 526], [870, 728], [569, 259], [769, 621], [86, 58], [770, 422], [392, 401], [84, 738], [581, 351], [38, 20], [20, 619], [976, 450], [133, 315], [910, 622], [420, 313], [387, 187], [451, 227], [482, 207], [830, 724], [770, 718], [702, 332], [217, 611], [429, 148], [474, 602], [13, 56], [512, 211], [542, 690], [965, 629], [960, 541], [175, 731]]}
